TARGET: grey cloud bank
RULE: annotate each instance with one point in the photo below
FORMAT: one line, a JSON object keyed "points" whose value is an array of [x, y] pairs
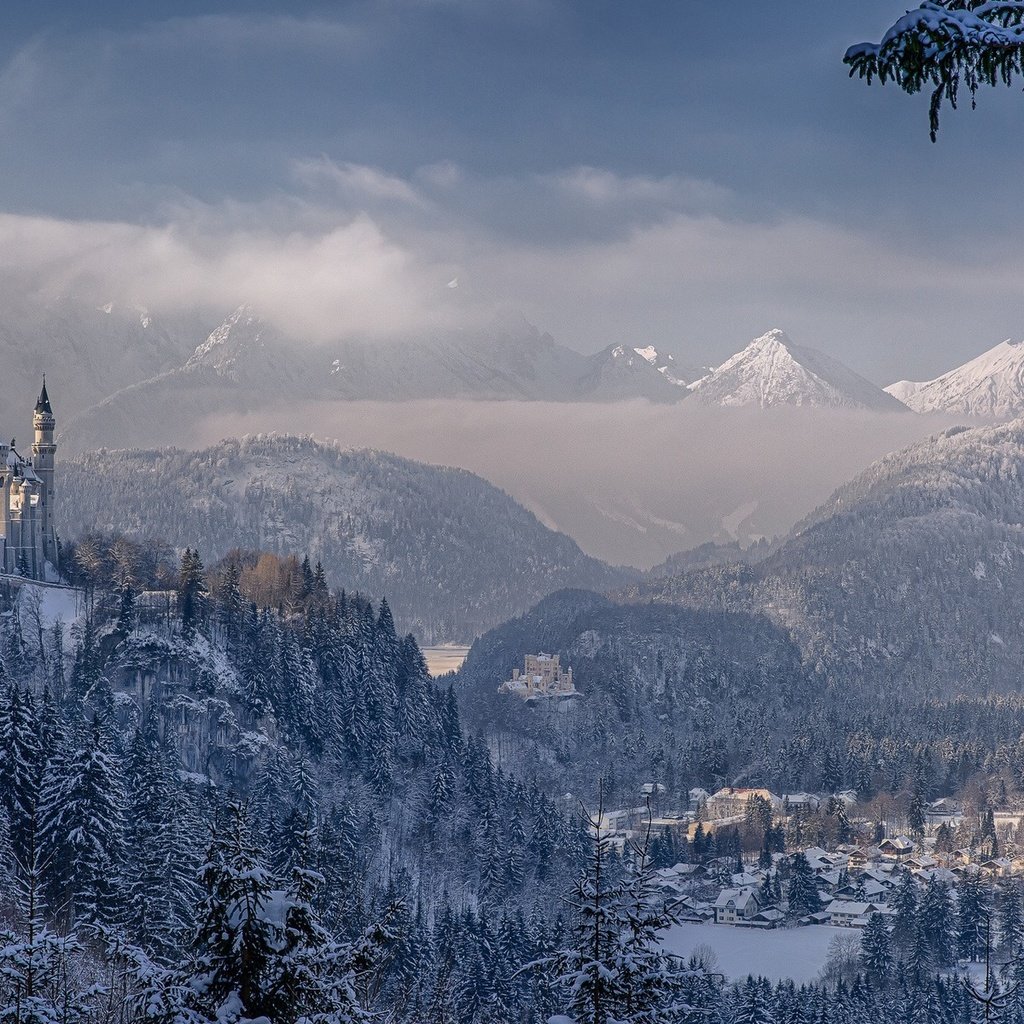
{"points": [[618, 173], [354, 251]]}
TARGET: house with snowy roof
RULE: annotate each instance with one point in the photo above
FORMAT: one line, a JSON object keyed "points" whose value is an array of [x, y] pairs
{"points": [[800, 803], [853, 913], [997, 867], [734, 906], [28, 534], [732, 802], [770, 917], [897, 848]]}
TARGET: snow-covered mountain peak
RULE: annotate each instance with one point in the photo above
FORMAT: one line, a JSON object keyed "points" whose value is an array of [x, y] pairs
{"points": [[240, 331], [772, 371], [990, 385]]}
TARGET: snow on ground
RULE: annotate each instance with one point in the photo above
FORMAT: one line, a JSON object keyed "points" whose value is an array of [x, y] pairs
{"points": [[62, 603], [797, 953]]}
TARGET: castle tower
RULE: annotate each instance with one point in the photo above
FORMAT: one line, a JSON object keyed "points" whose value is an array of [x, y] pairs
{"points": [[44, 452], [6, 532]]}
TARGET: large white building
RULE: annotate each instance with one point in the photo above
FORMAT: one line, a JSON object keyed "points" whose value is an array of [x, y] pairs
{"points": [[28, 535]]}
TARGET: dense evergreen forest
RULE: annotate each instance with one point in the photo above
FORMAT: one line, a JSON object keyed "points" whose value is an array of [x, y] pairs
{"points": [[687, 698], [213, 771], [241, 798]]}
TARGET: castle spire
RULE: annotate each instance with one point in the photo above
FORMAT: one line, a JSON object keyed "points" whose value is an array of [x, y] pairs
{"points": [[43, 405]]}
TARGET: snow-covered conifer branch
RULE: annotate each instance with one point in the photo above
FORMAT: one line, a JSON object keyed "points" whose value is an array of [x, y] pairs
{"points": [[945, 45]]}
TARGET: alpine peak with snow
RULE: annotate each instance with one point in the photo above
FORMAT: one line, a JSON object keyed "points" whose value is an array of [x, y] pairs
{"points": [[990, 386], [773, 371]]}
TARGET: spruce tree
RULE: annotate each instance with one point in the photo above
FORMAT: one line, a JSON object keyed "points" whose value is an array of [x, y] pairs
{"points": [[617, 970], [82, 829], [802, 891], [876, 950], [972, 918], [1011, 919]]}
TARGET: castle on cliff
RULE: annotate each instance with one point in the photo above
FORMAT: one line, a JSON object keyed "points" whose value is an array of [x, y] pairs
{"points": [[28, 537]]}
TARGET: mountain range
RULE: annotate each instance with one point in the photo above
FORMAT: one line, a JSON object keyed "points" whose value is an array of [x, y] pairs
{"points": [[911, 575], [245, 364], [129, 376]]}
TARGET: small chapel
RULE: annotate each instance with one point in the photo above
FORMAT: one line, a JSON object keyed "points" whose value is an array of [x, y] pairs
{"points": [[28, 536]]}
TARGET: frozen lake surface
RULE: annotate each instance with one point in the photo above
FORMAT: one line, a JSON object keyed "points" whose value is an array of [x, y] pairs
{"points": [[797, 953], [448, 658]]}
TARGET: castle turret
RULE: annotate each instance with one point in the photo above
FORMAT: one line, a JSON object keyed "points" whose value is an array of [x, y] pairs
{"points": [[44, 452]]}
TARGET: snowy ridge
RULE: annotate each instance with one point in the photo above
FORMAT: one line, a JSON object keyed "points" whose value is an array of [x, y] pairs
{"points": [[991, 385], [773, 371], [379, 523]]}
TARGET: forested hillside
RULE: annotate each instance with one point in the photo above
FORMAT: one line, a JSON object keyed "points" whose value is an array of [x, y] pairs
{"points": [[192, 786], [877, 648], [659, 684], [454, 554], [911, 576]]}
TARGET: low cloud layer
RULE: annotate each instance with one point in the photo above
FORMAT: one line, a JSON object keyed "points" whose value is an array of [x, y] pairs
{"points": [[593, 257], [631, 482]]}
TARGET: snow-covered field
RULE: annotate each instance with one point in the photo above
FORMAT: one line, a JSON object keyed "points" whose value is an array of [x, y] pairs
{"points": [[797, 953]]}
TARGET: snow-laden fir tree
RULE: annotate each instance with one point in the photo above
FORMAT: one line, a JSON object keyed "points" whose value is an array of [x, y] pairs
{"points": [[259, 951], [617, 971], [82, 809], [876, 950], [802, 890]]}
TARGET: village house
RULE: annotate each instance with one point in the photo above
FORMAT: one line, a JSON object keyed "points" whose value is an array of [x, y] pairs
{"points": [[852, 914], [734, 906], [732, 802], [698, 797], [897, 848], [997, 867], [771, 917], [800, 803], [943, 812]]}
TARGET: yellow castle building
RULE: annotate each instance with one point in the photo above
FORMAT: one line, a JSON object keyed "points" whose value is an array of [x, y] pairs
{"points": [[542, 676]]}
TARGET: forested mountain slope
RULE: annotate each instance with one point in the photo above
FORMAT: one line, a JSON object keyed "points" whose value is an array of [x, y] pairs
{"points": [[910, 575], [455, 554], [678, 695], [184, 786]]}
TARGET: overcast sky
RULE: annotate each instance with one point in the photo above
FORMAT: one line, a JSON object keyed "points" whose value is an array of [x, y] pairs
{"points": [[674, 172]]}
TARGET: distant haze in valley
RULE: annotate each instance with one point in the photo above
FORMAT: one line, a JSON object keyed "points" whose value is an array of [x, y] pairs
{"points": [[631, 482]]}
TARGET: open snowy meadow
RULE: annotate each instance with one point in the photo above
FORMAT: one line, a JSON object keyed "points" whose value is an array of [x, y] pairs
{"points": [[797, 953]]}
